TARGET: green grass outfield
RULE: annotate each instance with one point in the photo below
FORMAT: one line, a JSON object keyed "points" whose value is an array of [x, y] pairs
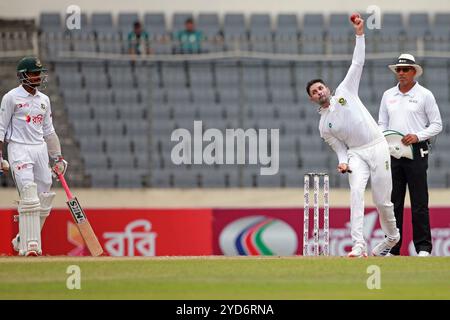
{"points": [[235, 278]]}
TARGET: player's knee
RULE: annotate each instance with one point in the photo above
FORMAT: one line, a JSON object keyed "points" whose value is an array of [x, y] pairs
{"points": [[29, 200], [29, 192], [383, 204], [44, 186]]}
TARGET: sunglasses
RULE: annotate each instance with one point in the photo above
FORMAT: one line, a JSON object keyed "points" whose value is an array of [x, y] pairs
{"points": [[404, 69]]}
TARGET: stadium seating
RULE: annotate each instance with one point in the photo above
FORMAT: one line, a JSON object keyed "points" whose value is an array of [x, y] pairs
{"points": [[123, 113]]}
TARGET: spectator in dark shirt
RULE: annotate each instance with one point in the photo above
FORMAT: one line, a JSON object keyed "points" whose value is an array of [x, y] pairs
{"points": [[138, 40]]}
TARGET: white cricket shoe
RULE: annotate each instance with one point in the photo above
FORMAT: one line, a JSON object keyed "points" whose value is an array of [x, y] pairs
{"points": [[385, 246], [32, 253], [423, 254], [358, 251], [15, 243], [33, 249]]}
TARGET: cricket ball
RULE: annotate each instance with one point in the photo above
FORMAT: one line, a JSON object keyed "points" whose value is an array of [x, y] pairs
{"points": [[354, 16]]}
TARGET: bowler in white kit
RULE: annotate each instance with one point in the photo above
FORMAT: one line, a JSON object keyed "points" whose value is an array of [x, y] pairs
{"points": [[347, 126], [26, 125]]}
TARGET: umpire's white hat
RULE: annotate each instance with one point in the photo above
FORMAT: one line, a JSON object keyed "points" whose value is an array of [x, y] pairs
{"points": [[407, 60]]}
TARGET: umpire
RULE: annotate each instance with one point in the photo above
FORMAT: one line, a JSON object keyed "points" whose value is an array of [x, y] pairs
{"points": [[411, 109]]}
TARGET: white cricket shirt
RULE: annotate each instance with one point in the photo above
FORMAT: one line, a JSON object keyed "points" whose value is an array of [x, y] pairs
{"points": [[347, 123], [25, 118], [414, 112]]}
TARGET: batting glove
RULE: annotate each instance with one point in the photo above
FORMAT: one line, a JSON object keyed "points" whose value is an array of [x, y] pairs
{"points": [[4, 165], [59, 166]]}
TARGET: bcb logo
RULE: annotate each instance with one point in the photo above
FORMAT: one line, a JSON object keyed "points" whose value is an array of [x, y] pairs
{"points": [[258, 235]]}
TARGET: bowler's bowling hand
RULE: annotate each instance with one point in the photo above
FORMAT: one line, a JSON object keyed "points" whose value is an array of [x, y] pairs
{"points": [[343, 168], [358, 23], [410, 139]]}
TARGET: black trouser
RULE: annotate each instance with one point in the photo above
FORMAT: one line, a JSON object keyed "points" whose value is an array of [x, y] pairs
{"points": [[414, 174]]}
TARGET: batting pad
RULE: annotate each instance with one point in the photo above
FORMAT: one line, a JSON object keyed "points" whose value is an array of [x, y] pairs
{"points": [[46, 199], [29, 220]]}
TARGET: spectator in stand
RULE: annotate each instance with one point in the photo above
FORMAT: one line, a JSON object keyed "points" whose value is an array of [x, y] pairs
{"points": [[190, 39], [138, 40]]}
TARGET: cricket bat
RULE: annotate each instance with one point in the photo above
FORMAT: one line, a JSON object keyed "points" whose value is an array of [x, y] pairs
{"points": [[81, 220]]}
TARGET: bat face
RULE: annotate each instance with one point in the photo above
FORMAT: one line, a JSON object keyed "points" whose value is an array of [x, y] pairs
{"points": [[90, 238], [84, 227]]}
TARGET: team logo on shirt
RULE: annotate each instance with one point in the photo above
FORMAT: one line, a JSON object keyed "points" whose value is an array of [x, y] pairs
{"points": [[43, 106], [330, 125], [21, 166], [22, 105], [38, 119], [342, 101]]}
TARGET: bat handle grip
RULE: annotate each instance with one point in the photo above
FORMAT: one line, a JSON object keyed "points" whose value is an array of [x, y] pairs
{"points": [[65, 186]]}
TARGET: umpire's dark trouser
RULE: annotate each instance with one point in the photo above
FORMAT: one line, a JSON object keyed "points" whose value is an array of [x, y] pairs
{"points": [[414, 174]]}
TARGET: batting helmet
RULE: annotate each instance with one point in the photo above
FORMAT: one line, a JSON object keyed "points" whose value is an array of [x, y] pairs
{"points": [[31, 65]]}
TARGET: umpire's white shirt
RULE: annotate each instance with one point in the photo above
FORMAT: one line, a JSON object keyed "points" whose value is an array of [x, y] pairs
{"points": [[25, 118], [346, 123], [414, 112]]}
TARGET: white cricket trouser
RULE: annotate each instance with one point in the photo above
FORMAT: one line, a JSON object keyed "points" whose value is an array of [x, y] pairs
{"points": [[374, 161], [30, 163]]}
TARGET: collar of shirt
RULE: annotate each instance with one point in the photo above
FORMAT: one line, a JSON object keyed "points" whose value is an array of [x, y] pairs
{"points": [[411, 92], [323, 110], [330, 108], [24, 93]]}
